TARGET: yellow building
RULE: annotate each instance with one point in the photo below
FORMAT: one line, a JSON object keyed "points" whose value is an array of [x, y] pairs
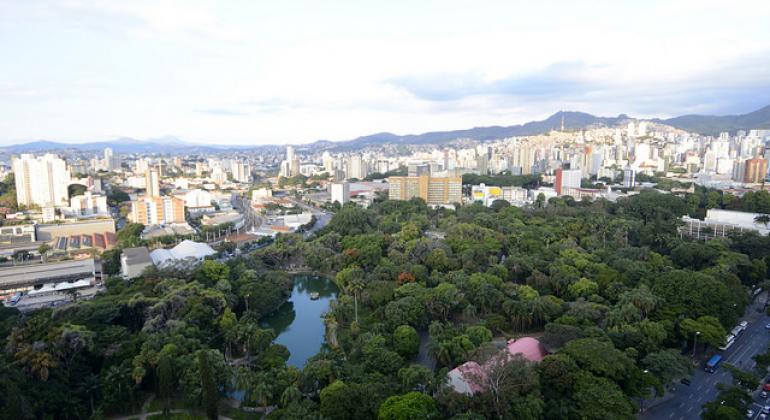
{"points": [[434, 190], [157, 210]]}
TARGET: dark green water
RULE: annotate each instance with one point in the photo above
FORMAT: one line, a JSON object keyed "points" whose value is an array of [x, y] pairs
{"points": [[299, 323]]}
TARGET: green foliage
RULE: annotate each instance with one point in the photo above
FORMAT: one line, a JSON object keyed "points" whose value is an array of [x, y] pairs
{"points": [[413, 405], [405, 341], [610, 289]]}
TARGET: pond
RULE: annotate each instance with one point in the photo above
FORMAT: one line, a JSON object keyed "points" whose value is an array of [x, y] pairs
{"points": [[298, 323]]}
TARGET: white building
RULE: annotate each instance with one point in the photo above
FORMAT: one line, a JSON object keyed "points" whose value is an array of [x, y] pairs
{"points": [[41, 180], [197, 198], [719, 223], [89, 204], [328, 162], [356, 167], [567, 179], [241, 171], [340, 192], [261, 194]]}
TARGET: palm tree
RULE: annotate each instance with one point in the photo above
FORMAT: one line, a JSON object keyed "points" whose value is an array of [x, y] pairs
{"points": [[290, 395], [762, 219], [262, 393], [355, 287]]}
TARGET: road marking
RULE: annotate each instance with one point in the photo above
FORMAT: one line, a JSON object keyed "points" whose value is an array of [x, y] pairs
{"points": [[671, 415], [689, 409]]}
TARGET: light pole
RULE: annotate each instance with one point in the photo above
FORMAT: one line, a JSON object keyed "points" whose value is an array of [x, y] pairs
{"points": [[695, 342], [641, 402]]}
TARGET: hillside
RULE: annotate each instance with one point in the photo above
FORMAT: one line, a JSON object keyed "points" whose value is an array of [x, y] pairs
{"points": [[713, 125]]}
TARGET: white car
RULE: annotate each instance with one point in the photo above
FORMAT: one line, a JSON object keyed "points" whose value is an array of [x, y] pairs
{"points": [[749, 413]]}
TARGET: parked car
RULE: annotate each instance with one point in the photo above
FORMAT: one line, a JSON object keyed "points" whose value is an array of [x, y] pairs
{"points": [[750, 414], [685, 381]]}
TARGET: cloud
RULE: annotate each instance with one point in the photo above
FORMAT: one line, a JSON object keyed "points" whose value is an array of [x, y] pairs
{"points": [[269, 105], [223, 112], [558, 79]]}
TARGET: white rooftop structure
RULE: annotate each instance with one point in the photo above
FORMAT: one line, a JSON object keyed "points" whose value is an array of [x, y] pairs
{"points": [[186, 250]]}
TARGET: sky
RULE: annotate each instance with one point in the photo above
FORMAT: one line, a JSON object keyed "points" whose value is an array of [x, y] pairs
{"points": [[291, 72]]}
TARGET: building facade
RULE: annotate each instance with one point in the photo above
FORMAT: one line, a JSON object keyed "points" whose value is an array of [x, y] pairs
{"points": [[157, 210], [434, 190], [41, 180]]}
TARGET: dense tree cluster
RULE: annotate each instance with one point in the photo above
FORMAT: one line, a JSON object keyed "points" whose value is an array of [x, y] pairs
{"points": [[610, 289]]}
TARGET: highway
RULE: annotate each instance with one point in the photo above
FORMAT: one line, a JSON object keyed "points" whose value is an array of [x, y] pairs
{"points": [[686, 402]]}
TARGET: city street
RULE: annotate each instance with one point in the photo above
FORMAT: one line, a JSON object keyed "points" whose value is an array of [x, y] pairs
{"points": [[686, 402]]}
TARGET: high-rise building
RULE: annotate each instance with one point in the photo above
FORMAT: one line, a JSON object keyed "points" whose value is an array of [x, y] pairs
{"points": [[434, 190], [340, 192], [241, 171], [356, 167], [142, 166], [629, 178], [567, 179], [152, 182], [328, 162], [41, 180], [157, 210], [755, 170]]}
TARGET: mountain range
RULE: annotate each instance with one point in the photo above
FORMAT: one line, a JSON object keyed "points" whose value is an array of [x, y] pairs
{"points": [[702, 124]]}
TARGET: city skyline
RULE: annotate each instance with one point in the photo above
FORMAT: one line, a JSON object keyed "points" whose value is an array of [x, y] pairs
{"points": [[268, 74]]}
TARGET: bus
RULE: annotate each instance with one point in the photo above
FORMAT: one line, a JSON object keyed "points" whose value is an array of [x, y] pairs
{"points": [[713, 363], [728, 342]]}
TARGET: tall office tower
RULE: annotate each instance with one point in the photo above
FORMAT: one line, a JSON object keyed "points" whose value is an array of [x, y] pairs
{"points": [[340, 192], [567, 179], [631, 129], [293, 161], [290, 153], [434, 190], [709, 161], [482, 164], [356, 167], [108, 159], [41, 180], [143, 165], [641, 152], [285, 169], [152, 182], [241, 171], [629, 178], [328, 162], [755, 170]]}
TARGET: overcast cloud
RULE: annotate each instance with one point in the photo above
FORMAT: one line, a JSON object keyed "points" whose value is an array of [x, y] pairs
{"points": [[248, 72]]}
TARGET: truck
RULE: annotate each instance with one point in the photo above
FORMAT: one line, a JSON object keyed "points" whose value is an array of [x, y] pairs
{"points": [[713, 363]]}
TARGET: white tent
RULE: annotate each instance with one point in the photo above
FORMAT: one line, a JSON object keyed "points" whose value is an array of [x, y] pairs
{"points": [[186, 250]]}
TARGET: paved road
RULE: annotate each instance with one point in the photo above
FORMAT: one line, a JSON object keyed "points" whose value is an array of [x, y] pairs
{"points": [[686, 402]]}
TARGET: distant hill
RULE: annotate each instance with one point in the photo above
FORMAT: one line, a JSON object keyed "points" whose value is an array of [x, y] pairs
{"points": [[702, 124], [713, 125], [572, 120], [119, 145]]}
